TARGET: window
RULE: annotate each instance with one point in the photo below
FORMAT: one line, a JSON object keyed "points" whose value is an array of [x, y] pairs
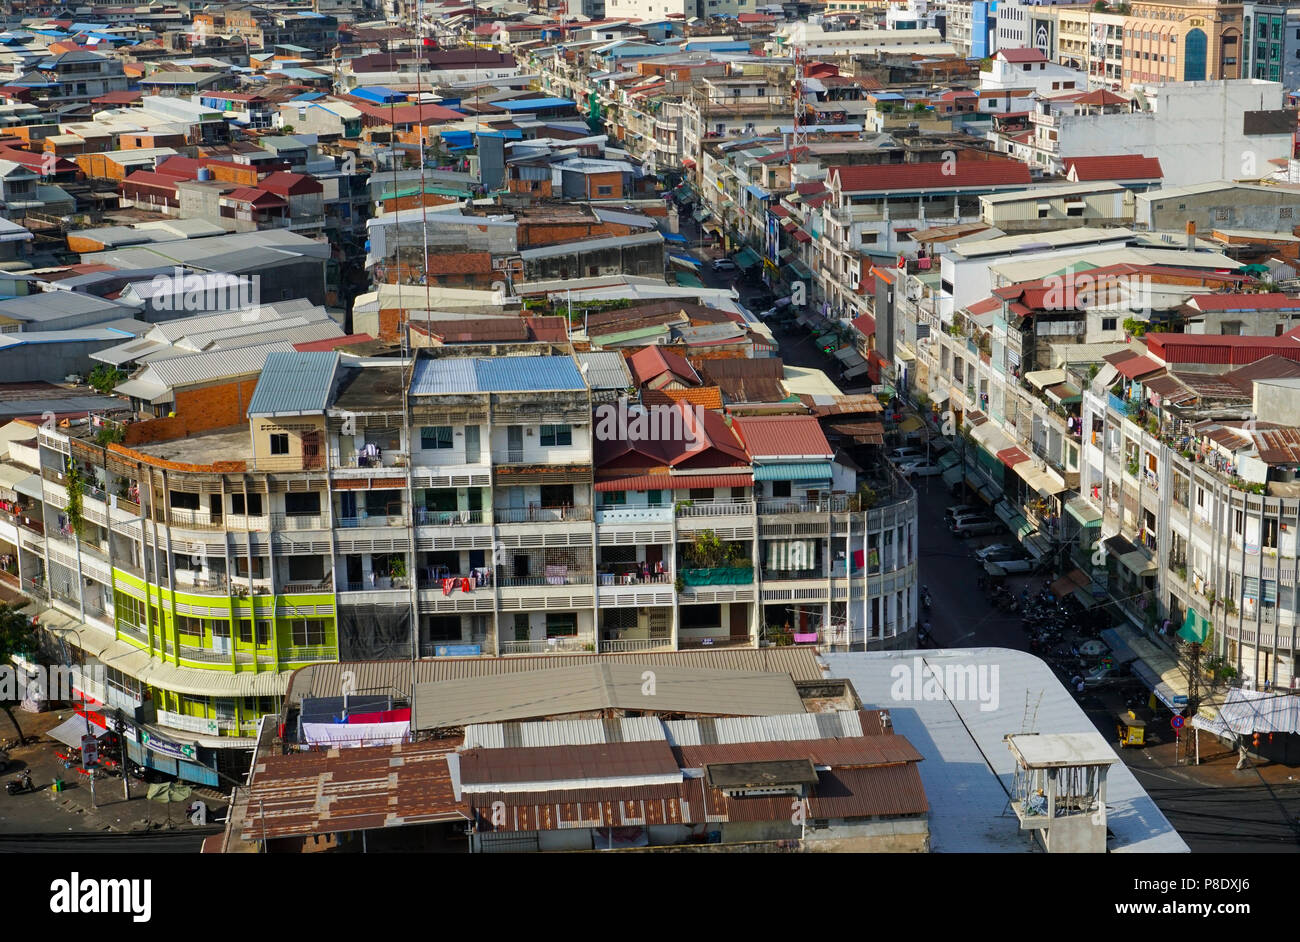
{"points": [[1109, 323], [604, 191], [654, 498], [780, 488], [435, 436], [309, 632], [254, 505], [561, 624], [701, 616], [701, 493], [247, 630], [614, 498], [280, 444], [557, 435]]}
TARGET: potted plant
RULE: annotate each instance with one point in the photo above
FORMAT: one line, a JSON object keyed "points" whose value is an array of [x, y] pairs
{"points": [[397, 570]]}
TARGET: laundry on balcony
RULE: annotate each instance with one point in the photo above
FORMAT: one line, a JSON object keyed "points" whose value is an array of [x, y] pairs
{"points": [[556, 575]]}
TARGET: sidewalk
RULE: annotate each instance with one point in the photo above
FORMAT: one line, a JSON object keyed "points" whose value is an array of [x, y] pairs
{"points": [[71, 809]]}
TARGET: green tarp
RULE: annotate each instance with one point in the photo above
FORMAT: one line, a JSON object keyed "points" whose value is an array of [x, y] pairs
{"points": [[1195, 628], [747, 258]]}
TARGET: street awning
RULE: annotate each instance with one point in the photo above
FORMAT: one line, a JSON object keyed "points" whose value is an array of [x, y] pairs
{"points": [[758, 192], [910, 424], [947, 460], [1119, 648], [1163, 691], [991, 438], [747, 258], [952, 477], [1082, 511], [858, 370], [1042, 480], [1086, 598], [795, 471], [70, 731], [30, 486], [848, 356], [1041, 379], [1138, 563], [686, 260], [10, 475], [939, 397], [1038, 545], [1012, 456]]}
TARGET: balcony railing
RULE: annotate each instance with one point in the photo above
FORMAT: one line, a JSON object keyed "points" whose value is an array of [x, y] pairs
{"points": [[715, 508], [719, 575], [386, 459], [298, 522], [619, 646], [304, 653], [307, 588], [364, 519], [541, 514], [779, 505], [565, 645], [572, 578], [449, 518], [617, 514], [633, 578]]}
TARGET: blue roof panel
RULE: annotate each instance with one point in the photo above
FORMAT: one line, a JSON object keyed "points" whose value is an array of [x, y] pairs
{"points": [[495, 374], [533, 104], [294, 383]]}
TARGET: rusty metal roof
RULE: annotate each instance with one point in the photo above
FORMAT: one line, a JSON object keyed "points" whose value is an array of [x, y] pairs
{"points": [[1278, 445], [351, 789], [550, 765]]}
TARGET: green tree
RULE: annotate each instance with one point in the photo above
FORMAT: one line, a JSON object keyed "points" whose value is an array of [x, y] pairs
{"points": [[16, 637], [105, 378], [75, 486]]}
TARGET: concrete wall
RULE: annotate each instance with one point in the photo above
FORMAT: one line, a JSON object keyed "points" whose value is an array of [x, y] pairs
{"points": [[1197, 132], [1234, 207]]}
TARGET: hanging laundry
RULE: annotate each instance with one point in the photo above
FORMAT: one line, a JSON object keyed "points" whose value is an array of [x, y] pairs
{"points": [[467, 584], [448, 586]]}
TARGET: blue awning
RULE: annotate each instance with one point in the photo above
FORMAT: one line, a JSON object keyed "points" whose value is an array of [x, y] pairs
{"points": [[796, 471], [684, 260], [758, 192], [1118, 646], [675, 237]]}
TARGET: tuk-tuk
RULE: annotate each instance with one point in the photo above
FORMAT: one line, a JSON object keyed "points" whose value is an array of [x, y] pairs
{"points": [[1132, 731]]}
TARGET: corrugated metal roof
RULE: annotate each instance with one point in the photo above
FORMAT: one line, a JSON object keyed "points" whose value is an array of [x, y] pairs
{"points": [[590, 245], [751, 729], [294, 384], [218, 364], [967, 761], [561, 732], [794, 436], [449, 375], [605, 370], [399, 676], [580, 689]]}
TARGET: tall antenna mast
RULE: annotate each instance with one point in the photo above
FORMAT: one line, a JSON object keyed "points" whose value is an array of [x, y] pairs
{"points": [[799, 135]]}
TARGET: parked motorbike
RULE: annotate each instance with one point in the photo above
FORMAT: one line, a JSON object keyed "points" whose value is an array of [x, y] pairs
{"points": [[20, 785]]}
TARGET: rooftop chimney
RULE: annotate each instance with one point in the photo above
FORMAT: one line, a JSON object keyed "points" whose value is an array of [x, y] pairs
{"points": [[1191, 234]]}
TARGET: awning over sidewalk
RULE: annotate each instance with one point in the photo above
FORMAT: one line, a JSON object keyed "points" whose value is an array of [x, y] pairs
{"points": [[1196, 628], [70, 731], [1038, 545], [1042, 480], [952, 477], [1082, 511], [747, 258], [1118, 646], [1157, 668]]}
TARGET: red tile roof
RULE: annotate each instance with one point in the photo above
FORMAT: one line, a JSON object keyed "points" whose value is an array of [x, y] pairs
{"points": [[667, 482], [1100, 97], [256, 197], [291, 184], [1021, 55], [783, 436], [866, 324], [1012, 456], [1270, 301], [118, 98], [883, 178], [1116, 167], [650, 362]]}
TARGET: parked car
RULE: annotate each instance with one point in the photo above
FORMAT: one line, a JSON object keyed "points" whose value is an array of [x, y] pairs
{"points": [[974, 526], [919, 469], [959, 510], [902, 455], [1104, 674], [987, 553], [724, 264], [1016, 565]]}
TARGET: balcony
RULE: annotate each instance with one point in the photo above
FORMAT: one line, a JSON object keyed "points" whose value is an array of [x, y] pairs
{"points": [[303, 654], [534, 514], [557, 579]]}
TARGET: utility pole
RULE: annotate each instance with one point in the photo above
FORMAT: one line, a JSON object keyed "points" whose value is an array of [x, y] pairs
{"points": [[119, 725]]}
